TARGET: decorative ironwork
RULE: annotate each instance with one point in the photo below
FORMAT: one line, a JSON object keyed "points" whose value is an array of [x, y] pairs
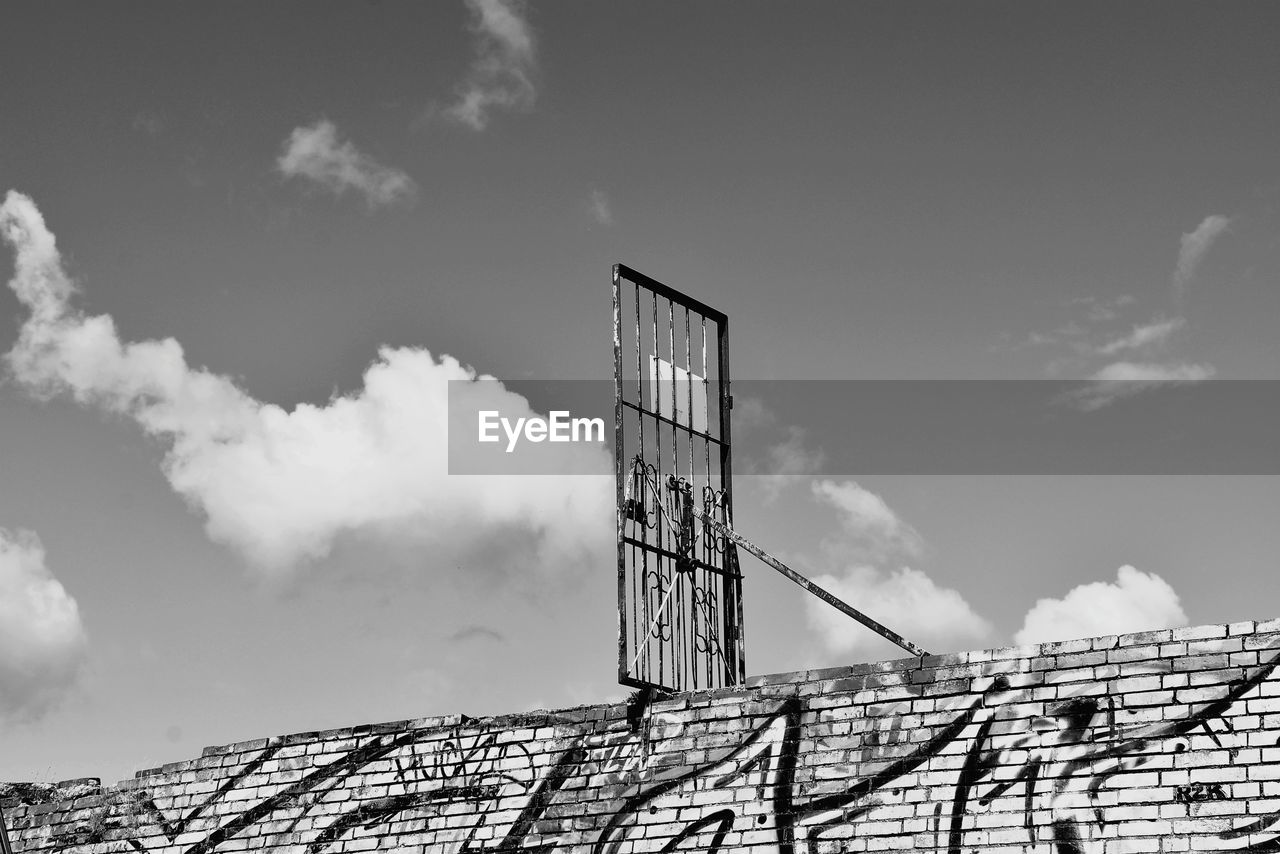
{"points": [[679, 584]]}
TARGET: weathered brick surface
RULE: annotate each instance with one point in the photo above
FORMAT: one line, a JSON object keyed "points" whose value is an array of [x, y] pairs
{"points": [[1162, 741]]}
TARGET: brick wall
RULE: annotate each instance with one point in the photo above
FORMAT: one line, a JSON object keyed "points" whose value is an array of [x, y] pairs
{"points": [[1160, 741]]}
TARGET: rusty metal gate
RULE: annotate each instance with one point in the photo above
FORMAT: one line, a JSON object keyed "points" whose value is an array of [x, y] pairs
{"points": [[679, 584]]}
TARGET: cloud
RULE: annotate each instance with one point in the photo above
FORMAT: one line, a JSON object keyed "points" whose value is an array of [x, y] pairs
{"points": [[42, 641], [875, 529], [787, 460], [1125, 379], [1137, 601], [1154, 374], [281, 486], [501, 75], [598, 205], [783, 463], [786, 455], [1192, 249], [1102, 309], [315, 154], [904, 599], [1143, 336]]}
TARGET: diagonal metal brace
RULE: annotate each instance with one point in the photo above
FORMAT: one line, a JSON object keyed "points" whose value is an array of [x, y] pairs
{"points": [[826, 596]]}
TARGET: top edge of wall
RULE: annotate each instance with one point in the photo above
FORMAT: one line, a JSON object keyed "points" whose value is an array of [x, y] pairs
{"points": [[1166, 643]]}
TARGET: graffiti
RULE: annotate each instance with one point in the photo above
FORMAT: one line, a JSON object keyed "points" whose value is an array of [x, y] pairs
{"points": [[1061, 766], [469, 766], [620, 756], [1197, 792], [763, 764]]}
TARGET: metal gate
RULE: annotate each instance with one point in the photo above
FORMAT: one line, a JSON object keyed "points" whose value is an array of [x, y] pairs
{"points": [[679, 584]]}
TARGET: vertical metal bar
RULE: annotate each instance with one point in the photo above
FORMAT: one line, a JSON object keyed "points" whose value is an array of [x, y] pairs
{"points": [[676, 603], [660, 532], [713, 581], [640, 569], [618, 471], [734, 601], [688, 369]]}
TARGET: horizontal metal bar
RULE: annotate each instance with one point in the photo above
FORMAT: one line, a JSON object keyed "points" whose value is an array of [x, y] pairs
{"points": [[630, 681], [665, 420], [667, 553], [830, 598], [670, 293]]}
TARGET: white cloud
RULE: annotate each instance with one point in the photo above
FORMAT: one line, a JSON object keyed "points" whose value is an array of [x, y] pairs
{"points": [[501, 75], [1137, 601], [1143, 336], [42, 641], [281, 486], [792, 456], [1192, 248], [599, 207], [787, 456], [906, 600], [1154, 373], [1124, 379], [1102, 309], [876, 530], [316, 154], [784, 463]]}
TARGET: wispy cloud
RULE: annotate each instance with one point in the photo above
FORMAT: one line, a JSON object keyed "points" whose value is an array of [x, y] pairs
{"points": [[1136, 601], [1143, 360], [315, 154], [786, 460], [42, 640], [1138, 372], [1102, 309], [1192, 249], [1125, 379], [598, 206], [869, 521], [281, 486], [501, 75], [873, 538], [787, 456], [1143, 336]]}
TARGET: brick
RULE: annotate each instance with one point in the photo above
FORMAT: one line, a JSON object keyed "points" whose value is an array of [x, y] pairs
{"points": [[856, 721]]}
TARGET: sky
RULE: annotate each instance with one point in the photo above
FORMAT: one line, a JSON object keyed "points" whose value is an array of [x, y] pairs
{"points": [[248, 247]]}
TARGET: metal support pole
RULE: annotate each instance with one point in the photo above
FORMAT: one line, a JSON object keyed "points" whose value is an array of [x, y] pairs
{"points": [[826, 596]]}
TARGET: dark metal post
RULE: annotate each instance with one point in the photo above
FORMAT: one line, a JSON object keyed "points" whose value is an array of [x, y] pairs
{"points": [[618, 469], [736, 633]]}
